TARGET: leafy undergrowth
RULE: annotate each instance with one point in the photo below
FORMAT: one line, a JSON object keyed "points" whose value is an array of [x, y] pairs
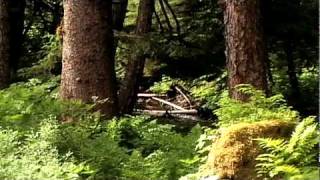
{"points": [[37, 144], [294, 159]]}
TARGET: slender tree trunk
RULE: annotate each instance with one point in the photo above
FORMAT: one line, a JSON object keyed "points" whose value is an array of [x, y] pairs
{"points": [[88, 62], [245, 50], [17, 16], [134, 71], [4, 44], [119, 10], [293, 80], [57, 13]]}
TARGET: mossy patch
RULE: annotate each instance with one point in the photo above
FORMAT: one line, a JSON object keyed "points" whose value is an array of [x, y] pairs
{"points": [[233, 154]]}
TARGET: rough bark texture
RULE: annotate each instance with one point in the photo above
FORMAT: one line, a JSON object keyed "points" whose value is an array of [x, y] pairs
{"points": [[88, 62], [4, 44], [17, 16], [134, 71], [245, 49]]}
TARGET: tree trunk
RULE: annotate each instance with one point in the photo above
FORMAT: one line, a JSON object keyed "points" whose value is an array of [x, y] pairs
{"points": [[134, 71], [4, 44], [119, 10], [88, 62], [17, 16], [57, 13], [293, 80], [245, 50]]}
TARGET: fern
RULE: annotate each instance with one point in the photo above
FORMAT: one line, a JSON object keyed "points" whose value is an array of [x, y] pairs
{"points": [[258, 108], [293, 159]]}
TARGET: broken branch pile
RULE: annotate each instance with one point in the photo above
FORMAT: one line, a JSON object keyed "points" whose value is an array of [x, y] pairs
{"points": [[176, 103]]}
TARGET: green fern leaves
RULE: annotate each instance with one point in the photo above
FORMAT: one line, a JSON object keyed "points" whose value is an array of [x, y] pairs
{"points": [[293, 159]]}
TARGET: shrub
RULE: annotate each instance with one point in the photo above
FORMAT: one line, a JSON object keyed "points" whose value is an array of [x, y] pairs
{"points": [[257, 108], [91, 143], [33, 156], [208, 93], [25, 105], [157, 151]]}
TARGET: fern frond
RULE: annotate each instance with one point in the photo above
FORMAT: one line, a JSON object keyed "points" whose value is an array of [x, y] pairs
{"points": [[272, 145]]}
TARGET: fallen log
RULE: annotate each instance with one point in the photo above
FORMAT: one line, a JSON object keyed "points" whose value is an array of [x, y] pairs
{"points": [[169, 112], [169, 103]]}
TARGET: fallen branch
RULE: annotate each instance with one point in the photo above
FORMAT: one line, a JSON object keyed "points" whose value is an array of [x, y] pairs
{"points": [[169, 103], [147, 95], [186, 118], [162, 112], [184, 96]]}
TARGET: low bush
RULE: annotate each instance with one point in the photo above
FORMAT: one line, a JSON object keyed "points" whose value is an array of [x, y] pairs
{"points": [[257, 108], [34, 156]]}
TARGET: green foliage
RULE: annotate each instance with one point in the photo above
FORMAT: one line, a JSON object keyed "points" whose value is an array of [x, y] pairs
{"points": [[24, 105], [203, 147], [33, 156], [90, 143], [82, 145], [165, 84], [309, 86], [294, 159], [50, 56], [257, 108], [157, 151], [209, 92]]}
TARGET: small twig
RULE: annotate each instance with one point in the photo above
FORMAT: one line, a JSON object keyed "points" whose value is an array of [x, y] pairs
{"points": [[169, 103]]}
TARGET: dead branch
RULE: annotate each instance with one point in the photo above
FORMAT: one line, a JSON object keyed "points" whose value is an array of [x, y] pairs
{"points": [[162, 112], [169, 103], [184, 96], [147, 95]]}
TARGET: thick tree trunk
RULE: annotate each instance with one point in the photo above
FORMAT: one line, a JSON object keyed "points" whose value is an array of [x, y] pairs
{"points": [[134, 71], [4, 44], [245, 50], [17, 16], [88, 62]]}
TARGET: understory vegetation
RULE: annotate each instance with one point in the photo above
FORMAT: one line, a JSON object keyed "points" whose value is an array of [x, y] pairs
{"points": [[172, 76], [45, 138]]}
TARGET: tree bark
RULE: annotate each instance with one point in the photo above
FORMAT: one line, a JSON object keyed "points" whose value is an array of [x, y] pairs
{"points": [[17, 16], [245, 50], [134, 72], [88, 62], [4, 44]]}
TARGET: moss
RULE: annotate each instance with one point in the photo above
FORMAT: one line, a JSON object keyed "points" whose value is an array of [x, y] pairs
{"points": [[233, 154]]}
